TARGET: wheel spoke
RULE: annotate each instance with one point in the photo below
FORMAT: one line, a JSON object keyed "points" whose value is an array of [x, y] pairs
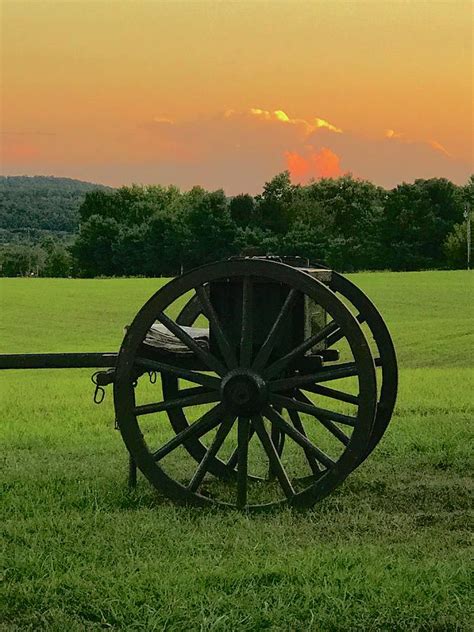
{"points": [[299, 438], [243, 438], [192, 376], [337, 335], [267, 347], [224, 346], [210, 360], [211, 452], [298, 424], [206, 423], [327, 423], [332, 393], [348, 369], [246, 339], [192, 390], [311, 409], [273, 457], [232, 462], [178, 402], [275, 436], [280, 364]]}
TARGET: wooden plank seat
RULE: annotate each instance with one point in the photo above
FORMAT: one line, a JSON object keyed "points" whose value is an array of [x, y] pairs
{"points": [[159, 337], [160, 343]]}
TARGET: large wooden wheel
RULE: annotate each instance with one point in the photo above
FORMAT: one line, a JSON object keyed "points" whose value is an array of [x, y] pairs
{"points": [[383, 352], [382, 347], [246, 398]]}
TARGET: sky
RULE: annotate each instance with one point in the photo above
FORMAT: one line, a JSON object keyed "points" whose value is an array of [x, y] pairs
{"points": [[227, 94]]}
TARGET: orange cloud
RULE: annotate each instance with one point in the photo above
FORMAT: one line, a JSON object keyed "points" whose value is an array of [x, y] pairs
{"points": [[391, 133], [439, 147], [19, 153], [235, 149], [318, 164], [280, 116], [434, 144], [321, 123]]}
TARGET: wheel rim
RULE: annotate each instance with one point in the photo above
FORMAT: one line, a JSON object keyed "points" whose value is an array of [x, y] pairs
{"points": [[386, 360], [271, 394]]}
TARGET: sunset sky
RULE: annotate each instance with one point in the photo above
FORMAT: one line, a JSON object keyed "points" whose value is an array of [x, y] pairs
{"points": [[227, 94]]}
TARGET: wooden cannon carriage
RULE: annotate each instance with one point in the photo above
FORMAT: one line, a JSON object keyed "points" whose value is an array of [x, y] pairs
{"points": [[276, 381]]}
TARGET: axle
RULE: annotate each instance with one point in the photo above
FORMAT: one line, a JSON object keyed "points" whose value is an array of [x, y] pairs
{"points": [[57, 360]]}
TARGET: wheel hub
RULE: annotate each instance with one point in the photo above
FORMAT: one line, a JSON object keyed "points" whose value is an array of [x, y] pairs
{"points": [[244, 392]]}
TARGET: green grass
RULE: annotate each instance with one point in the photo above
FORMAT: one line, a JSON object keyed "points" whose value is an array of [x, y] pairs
{"points": [[389, 550]]}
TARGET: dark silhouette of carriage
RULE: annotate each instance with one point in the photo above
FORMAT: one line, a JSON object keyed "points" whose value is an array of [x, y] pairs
{"points": [[277, 379]]}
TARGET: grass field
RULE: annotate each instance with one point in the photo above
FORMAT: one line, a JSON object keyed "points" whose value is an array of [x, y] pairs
{"points": [[389, 550]]}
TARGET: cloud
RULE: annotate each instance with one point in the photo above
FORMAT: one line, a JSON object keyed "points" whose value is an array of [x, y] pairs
{"points": [[308, 127], [18, 152], [391, 133], [237, 150], [434, 144], [163, 119], [241, 149], [314, 165], [439, 147], [321, 123]]}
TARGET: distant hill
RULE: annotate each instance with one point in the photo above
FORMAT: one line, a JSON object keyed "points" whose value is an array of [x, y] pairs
{"points": [[36, 205]]}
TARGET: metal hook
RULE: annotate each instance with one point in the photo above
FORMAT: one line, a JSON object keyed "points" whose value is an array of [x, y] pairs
{"points": [[99, 393]]}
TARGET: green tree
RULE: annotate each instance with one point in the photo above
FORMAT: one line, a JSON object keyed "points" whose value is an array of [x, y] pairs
{"points": [[242, 210], [273, 206], [208, 230], [455, 245], [21, 260], [129, 249], [256, 241], [58, 260], [418, 219], [349, 213], [94, 248]]}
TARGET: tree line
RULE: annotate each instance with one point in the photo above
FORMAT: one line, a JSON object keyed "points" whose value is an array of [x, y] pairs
{"points": [[347, 223]]}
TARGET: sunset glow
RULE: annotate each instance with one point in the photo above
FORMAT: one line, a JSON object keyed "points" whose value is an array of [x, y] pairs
{"points": [[322, 164], [228, 94]]}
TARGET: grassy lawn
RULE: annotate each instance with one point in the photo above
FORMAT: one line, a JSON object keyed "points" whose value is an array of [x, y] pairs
{"points": [[389, 550]]}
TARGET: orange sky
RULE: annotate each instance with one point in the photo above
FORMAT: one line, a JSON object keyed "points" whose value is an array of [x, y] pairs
{"points": [[226, 94]]}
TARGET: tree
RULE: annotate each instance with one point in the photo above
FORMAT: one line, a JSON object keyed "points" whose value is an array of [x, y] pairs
{"points": [[94, 248], [129, 249], [242, 210], [21, 260], [255, 241], [305, 240], [455, 245], [209, 232], [165, 247], [349, 213], [58, 261], [273, 205], [418, 219]]}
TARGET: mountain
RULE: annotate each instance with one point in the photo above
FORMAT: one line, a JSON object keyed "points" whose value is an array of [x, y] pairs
{"points": [[32, 206]]}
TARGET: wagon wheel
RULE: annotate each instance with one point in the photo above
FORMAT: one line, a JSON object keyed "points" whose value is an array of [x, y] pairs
{"points": [[384, 356], [246, 387], [177, 416]]}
